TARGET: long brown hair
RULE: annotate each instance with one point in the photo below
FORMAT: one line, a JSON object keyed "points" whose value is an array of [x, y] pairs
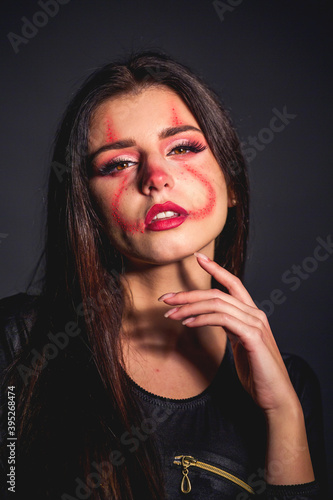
{"points": [[74, 409]]}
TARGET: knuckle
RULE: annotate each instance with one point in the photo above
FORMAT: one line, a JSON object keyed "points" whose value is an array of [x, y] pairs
{"points": [[223, 317], [261, 316], [235, 281], [258, 324], [216, 302], [257, 332]]}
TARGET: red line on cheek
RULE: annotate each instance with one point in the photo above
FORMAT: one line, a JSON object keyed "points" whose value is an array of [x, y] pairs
{"points": [[175, 119], [211, 202], [129, 227]]}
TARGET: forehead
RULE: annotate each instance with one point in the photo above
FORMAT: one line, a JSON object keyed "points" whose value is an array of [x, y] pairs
{"points": [[149, 107]]}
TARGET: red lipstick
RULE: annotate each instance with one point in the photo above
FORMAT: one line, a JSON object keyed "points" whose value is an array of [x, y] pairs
{"points": [[168, 222]]}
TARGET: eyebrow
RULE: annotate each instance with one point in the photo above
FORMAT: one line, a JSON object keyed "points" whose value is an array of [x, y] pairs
{"points": [[169, 132], [127, 143]]}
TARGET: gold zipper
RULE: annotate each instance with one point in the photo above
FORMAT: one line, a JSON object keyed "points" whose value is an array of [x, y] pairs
{"points": [[186, 461]]}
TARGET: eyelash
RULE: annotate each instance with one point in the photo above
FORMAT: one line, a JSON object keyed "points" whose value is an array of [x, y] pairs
{"points": [[193, 146], [111, 166]]}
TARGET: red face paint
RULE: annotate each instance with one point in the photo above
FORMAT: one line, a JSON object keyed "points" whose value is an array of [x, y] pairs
{"points": [[138, 226], [110, 135], [130, 227], [211, 202], [175, 120]]}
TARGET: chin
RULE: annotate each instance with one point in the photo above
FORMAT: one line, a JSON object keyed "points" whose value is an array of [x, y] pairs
{"points": [[166, 247], [168, 254]]}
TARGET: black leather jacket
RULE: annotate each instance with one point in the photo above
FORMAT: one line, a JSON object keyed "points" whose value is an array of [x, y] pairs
{"points": [[213, 443]]}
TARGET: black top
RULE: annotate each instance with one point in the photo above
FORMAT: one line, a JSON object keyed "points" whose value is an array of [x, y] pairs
{"points": [[224, 428], [220, 428]]}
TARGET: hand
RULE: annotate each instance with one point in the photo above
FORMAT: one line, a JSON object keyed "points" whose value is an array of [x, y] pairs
{"points": [[259, 364]]}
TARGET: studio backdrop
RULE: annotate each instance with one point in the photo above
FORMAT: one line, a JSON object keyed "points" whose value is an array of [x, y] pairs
{"points": [[270, 62]]}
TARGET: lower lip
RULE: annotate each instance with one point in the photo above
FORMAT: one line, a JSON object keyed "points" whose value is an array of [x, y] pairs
{"points": [[164, 224]]}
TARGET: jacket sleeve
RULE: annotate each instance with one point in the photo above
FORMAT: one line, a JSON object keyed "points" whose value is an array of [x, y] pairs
{"points": [[16, 319], [17, 314], [307, 491]]}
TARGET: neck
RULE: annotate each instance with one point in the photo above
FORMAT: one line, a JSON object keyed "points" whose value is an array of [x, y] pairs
{"points": [[144, 324]]}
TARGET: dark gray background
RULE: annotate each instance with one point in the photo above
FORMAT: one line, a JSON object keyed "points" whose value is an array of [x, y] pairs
{"points": [[262, 55]]}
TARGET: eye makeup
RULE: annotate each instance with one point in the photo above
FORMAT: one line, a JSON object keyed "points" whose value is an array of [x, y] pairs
{"points": [[177, 149], [115, 165], [185, 145]]}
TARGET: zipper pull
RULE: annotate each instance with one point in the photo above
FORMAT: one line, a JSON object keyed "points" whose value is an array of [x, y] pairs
{"points": [[186, 461]]}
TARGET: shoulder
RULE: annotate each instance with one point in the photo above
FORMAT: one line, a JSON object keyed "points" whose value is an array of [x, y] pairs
{"points": [[19, 304], [17, 316], [18, 312]]}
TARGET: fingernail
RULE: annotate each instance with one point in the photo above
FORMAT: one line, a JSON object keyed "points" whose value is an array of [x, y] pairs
{"points": [[202, 256], [188, 320], [171, 311], [166, 296]]}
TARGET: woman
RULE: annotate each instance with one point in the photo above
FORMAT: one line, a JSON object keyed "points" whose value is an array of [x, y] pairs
{"points": [[137, 378]]}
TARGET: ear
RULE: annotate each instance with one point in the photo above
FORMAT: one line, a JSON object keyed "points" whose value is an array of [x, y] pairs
{"points": [[232, 200]]}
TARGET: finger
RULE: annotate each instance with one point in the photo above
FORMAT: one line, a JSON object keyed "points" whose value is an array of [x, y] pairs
{"points": [[247, 329], [181, 298], [250, 336], [191, 296], [214, 305], [246, 334], [227, 279]]}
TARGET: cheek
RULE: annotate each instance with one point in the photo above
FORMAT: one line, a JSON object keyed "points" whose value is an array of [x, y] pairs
{"points": [[210, 203], [120, 201]]}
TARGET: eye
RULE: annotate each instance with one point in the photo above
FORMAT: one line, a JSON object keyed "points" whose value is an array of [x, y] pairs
{"points": [[187, 147], [180, 150], [123, 164], [116, 165]]}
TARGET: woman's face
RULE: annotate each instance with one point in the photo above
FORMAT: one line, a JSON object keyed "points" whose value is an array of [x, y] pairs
{"points": [[161, 193]]}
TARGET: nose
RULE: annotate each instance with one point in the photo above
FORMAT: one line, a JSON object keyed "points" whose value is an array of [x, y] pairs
{"points": [[155, 176]]}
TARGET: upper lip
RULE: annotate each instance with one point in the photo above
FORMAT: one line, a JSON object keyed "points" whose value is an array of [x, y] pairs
{"points": [[164, 207]]}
